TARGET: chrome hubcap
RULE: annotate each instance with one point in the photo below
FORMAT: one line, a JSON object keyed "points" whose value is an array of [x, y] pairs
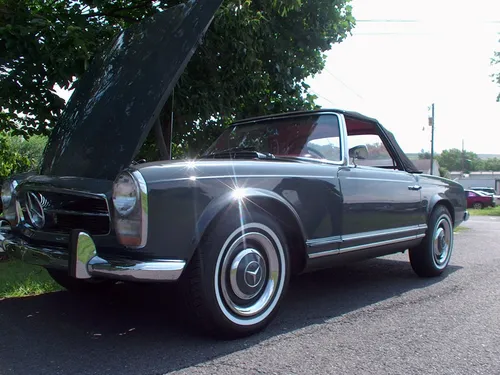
{"points": [[442, 241], [250, 275]]}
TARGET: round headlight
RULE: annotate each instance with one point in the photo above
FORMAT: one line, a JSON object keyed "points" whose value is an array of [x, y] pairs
{"points": [[7, 191], [125, 194]]}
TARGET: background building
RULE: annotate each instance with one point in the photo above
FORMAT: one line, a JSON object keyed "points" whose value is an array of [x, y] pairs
{"points": [[478, 179]]}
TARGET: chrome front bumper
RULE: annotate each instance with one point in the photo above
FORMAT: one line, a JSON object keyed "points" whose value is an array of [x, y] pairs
{"points": [[466, 215], [82, 261]]}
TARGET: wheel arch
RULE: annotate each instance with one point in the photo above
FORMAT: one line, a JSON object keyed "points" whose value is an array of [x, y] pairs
{"points": [[438, 200], [266, 201]]}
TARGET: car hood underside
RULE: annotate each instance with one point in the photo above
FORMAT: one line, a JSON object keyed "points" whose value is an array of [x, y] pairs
{"points": [[119, 98]]}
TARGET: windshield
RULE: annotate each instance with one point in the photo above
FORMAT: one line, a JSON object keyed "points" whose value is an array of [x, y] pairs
{"points": [[311, 136]]}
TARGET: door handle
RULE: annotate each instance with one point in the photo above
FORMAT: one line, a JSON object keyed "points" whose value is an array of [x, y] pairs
{"points": [[414, 187]]}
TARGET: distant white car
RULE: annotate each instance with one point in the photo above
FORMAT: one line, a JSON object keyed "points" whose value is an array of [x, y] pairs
{"points": [[486, 191]]}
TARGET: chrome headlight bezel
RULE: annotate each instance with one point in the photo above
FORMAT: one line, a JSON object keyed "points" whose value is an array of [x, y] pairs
{"points": [[125, 194], [130, 209]]}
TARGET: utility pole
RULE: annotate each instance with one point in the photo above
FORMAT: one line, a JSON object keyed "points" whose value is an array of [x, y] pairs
{"points": [[431, 123], [463, 157]]}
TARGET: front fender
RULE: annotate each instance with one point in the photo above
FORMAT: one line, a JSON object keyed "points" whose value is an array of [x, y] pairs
{"points": [[247, 197]]}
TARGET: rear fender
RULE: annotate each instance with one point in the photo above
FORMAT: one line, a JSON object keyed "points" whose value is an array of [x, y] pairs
{"points": [[438, 199]]}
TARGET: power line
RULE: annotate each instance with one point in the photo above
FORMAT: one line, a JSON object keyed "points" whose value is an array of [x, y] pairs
{"points": [[344, 84], [406, 21], [389, 21], [397, 33], [322, 97]]}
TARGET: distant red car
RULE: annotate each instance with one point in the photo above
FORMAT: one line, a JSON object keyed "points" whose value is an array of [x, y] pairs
{"points": [[479, 200]]}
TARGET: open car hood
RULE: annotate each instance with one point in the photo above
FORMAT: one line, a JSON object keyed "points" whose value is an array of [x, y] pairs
{"points": [[117, 101]]}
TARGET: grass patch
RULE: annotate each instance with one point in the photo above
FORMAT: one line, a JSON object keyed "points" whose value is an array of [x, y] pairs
{"points": [[488, 211], [18, 279], [460, 228]]}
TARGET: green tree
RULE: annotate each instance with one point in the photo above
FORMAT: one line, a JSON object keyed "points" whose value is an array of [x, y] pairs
{"points": [[496, 76], [11, 161], [31, 148], [443, 172], [456, 160], [492, 164], [253, 60], [424, 155]]}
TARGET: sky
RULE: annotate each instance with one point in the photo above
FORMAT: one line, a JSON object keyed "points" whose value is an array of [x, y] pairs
{"points": [[394, 70]]}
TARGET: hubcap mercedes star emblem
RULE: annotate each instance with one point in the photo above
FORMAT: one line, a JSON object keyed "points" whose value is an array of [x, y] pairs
{"points": [[253, 274], [35, 210]]}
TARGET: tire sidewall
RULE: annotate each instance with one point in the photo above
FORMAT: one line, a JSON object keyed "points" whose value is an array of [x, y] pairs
{"points": [[223, 234]]}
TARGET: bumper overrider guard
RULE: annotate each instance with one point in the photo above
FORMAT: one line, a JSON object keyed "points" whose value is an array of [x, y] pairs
{"points": [[82, 261]]}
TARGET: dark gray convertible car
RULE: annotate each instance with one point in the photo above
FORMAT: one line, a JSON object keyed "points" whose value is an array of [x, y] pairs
{"points": [[272, 197]]}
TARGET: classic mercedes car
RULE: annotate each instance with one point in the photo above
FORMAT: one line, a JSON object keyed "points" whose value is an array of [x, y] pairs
{"points": [[273, 196]]}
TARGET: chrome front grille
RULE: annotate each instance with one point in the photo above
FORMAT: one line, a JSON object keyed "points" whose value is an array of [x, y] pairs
{"points": [[64, 211]]}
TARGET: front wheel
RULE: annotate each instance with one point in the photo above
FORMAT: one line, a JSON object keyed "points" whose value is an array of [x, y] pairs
{"points": [[238, 277], [432, 256]]}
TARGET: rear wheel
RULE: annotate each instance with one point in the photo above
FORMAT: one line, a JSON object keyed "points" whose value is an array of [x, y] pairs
{"points": [[477, 206], [237, 279], [78, 286], [432, 256]]}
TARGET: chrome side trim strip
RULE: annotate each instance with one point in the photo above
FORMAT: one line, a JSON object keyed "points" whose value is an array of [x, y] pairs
{"points": [[323, 253], [365, 246], [379, 179], [384, 232], [380, 243], [323, 241]]}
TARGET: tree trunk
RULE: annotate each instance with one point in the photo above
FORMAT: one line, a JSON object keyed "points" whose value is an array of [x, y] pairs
{"points": [[161, 142]]}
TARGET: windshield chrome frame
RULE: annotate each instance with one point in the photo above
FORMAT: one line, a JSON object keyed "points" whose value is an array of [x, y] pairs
{"points": [[344, 150]]}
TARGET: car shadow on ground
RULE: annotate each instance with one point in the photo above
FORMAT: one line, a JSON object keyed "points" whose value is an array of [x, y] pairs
{"points": [[135, 329]]}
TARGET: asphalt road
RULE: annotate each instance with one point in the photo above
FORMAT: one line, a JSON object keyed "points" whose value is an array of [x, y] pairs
{"points": [[374, 317]]}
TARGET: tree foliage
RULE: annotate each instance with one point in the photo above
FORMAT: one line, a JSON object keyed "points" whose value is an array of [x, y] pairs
{"points": [[253, 60], [492, 164], [467, 161], [456, 160], [496, 76], [11, 160], [422, 155]]}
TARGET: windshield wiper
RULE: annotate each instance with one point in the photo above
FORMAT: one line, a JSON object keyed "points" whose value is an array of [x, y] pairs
{"points": [[242, 151]]}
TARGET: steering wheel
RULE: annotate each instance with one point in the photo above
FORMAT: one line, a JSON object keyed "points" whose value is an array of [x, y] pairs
{"points": [[313, 151]]}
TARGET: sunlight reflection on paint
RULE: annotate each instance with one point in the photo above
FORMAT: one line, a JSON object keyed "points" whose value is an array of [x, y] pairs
{"points": [[238, 194], [190, 164]]}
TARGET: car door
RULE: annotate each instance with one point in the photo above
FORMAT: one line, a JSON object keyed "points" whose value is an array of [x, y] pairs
{"points": [[380, 205]]}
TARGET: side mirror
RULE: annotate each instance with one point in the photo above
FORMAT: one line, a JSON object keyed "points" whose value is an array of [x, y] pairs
{"points": [[358, 152]]}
